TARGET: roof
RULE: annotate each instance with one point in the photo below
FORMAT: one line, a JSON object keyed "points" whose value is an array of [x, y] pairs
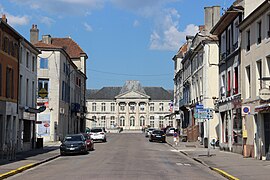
{"points": [[45, 45], [132, 86], [109, 93], [70, 46]]}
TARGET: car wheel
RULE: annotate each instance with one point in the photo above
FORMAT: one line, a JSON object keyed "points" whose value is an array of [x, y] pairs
{"points": [[62, 154], [150, 140], [104, 140]]}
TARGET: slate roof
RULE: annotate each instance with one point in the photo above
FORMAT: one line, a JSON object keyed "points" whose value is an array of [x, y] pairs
{"points": [[109, 93]]}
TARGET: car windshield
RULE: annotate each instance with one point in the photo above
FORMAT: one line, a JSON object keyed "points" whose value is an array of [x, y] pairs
{"points": [[73, 138], [95, 130]]}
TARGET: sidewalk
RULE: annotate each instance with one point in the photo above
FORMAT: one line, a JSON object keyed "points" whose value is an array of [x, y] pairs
{"points": [[29, 159], [230, 165]]}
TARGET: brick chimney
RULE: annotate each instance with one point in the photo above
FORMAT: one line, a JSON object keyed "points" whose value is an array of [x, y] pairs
{"points": [[211, 17], [4, 18], [34, 33], [47, 39]]}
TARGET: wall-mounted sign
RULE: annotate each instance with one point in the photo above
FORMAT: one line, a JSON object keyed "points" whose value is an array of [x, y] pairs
{"points": [[245, 110], [264, 94]]}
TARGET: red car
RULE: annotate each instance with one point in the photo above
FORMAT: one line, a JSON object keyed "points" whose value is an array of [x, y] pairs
{"points": [[89, 142]]}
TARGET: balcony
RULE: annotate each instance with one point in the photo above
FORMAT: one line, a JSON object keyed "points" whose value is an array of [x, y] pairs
{"points": [[75, 107]]}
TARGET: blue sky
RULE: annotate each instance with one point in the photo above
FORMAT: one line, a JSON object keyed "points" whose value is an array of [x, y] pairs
{"points": [[124, 39]]}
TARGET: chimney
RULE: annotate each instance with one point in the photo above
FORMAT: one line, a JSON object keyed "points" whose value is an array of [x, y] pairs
{"points": [[211, 17], [47, 39], [34, 33], [4, 18]]}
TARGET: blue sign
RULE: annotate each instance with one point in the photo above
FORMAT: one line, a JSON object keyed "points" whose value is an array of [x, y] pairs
{"points": [[204, 113], [199, 106]]}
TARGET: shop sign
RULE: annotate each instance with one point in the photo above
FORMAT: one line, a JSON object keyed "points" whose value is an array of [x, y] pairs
{"points": [[264, 94], [26, 115], [32, 116]]}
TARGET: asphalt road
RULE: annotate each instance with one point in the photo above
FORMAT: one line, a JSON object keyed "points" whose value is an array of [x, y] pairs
{"points": [[124, 156]]}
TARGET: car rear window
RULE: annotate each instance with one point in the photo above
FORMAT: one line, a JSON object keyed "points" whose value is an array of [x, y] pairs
{"points": [[73, 138], [158, 132], [95, 130]]}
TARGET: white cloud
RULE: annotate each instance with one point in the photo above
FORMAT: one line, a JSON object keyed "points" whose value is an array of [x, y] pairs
{"points": [[17, 20], [166, 35], [136, 23], [87, 27], [46, 20]]}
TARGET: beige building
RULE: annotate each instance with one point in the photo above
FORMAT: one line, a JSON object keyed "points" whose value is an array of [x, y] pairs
{"points": [[131, 107], [61, 86], [255, 75]]}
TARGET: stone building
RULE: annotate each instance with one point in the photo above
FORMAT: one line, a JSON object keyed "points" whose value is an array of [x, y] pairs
{"points": [[131, 107]]}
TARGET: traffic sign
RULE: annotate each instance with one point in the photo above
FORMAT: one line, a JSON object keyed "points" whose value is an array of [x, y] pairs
{"points": [[204, 113], [199, 106], [43, 93]]}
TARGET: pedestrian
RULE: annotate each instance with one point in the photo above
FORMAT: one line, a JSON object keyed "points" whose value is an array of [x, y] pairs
{"points": [[175, 138]]}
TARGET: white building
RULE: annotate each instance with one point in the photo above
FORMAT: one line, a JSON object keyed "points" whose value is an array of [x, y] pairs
{"points": [[27, 96], [132, 107]]}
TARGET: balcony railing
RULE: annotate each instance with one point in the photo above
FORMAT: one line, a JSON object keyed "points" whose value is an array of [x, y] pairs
{"points": [[235, 46]]}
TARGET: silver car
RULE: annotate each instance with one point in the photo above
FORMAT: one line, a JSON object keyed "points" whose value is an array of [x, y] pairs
{"points": [[149, 131]]}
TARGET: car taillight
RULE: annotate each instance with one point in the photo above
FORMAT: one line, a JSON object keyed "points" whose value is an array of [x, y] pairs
{"points": [[91, 134], [102, 133]]}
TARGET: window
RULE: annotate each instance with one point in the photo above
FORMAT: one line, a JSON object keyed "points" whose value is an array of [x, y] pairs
{"points": [[9, 83], [63, 90], [235, 88], [152, 121], [27, 59], [112, 122], [142, 121], [222, 87], [43, 84], [122, 107], [64, 69], [43, 63], [248, 40], [229, 84], [236, 35], [112, 107], [132, 121], [170, 123], [142, 106], [5, 44], [258, 76], [132, 106], [0, 78], [103, 107], [20, 89], [259, 32], [161, 108], [33, 95], [122, 121], [33, 64], [229, 41], [27, 92], [152, 107], [103, 121], [94, 106], [161, 122], [248, 82], [237, 127]]}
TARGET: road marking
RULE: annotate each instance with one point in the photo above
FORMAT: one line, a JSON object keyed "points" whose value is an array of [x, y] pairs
{"points": [[181, 164]]}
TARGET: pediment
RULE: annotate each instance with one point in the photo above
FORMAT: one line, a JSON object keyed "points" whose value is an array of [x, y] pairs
{"points": [[132, 95]]}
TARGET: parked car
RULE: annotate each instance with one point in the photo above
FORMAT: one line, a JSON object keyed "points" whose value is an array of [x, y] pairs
{"points": [[148, 131], [89, 141], [157, 135], [73, 143], [170, 131], [98, 134]]}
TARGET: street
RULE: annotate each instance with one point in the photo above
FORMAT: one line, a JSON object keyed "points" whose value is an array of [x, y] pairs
{"points": [[124, 156]]}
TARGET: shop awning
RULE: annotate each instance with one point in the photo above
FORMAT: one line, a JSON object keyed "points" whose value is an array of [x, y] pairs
{"points": [[263, 107]]}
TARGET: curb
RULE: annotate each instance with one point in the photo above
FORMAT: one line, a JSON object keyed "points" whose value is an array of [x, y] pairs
{"points": [[28, 166], [224, 174], [219, 171]]}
